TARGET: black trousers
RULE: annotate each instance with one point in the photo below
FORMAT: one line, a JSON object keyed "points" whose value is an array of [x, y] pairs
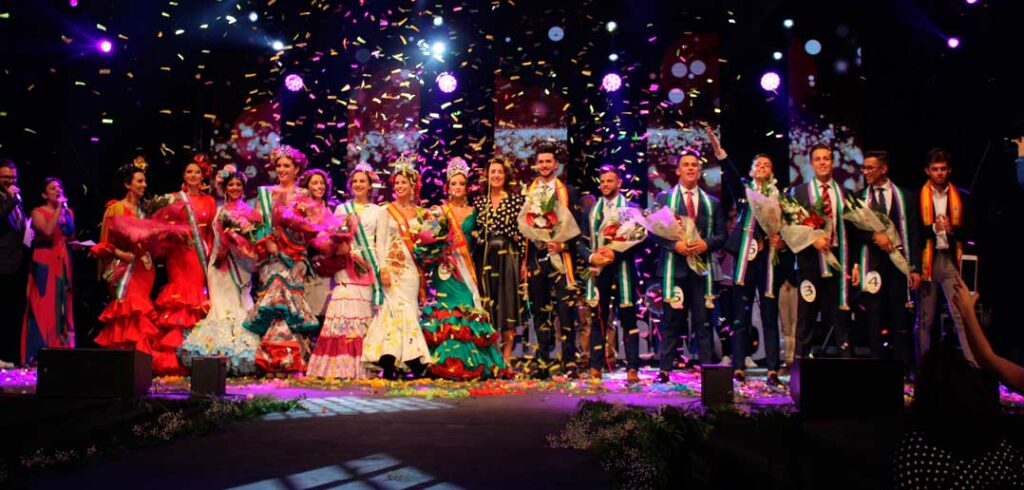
{"points": [[550, 295], [673, 324], [609, 301], [12, 312], [826, 302], [886, 311], [755, 288]]}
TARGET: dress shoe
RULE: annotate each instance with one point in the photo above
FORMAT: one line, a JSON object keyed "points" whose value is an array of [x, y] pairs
{"points": [[662, 377], [773, 378], [595, 373], [726, 361], [738, 375], [749, 363]]}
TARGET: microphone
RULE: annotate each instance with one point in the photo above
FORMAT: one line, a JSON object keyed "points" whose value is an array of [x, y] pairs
{"points": [[17, 197]]}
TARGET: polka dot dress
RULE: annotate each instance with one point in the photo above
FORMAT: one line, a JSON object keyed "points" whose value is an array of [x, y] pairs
{"points": [[501, 222], [920, 463]]}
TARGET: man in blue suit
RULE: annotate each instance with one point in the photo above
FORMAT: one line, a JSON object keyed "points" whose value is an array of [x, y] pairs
{"points": [[687, 199], [615, 286]]}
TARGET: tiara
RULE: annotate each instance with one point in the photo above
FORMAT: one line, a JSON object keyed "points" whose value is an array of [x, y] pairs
{"points": [[403, 165], [287, 152], [363, 167], [457, 166], [140, 163]]}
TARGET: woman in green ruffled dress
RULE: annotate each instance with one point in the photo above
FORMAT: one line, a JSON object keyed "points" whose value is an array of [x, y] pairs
{"points": [[457, 329]]}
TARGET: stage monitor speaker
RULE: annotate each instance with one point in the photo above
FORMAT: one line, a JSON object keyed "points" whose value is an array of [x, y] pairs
{"points": [[93, 373], [209, 375], [827, 387], [716, 385]]}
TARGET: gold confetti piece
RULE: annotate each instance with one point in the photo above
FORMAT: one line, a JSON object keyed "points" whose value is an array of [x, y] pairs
{"points": [[107, 121], [165, 111], [101, 27], [30, 130]]}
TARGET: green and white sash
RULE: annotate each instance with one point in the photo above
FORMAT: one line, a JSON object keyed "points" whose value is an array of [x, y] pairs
{"points": [[838, 207], [900, 201], [366, 251], [596, 220], [669, 284]]}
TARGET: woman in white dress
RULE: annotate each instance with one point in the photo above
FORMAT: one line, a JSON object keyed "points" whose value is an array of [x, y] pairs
{"points": [[229, 280], [394, 337], [339, 350]]}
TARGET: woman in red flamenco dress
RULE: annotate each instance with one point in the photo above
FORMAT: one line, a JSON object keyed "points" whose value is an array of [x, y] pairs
{"points": [[128, 266], [183, 301]]}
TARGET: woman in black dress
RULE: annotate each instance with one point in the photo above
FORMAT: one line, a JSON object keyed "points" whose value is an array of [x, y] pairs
{"points": [[499, 248]]}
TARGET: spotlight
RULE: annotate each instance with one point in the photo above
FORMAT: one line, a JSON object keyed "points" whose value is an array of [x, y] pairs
{"points": [[447, 82], [788, 23], [611, 82], [253, 17], [953, 42], [679, 70], [972, 2], [770, 81], [293, 82], [73, 3], [611, 26], [777, 55], [277, 45], [698, 68], [676, 95], [556, 34], [438, 21], [437, 49], [613, 57], [812, 47], [105, 46]]}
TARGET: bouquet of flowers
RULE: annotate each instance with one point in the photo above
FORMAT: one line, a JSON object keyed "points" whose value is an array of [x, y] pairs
{"points": [[764, 204], [544, 219], [666, 224], [802, 226], [429, 232], [867, 219], [335, 252], [156, 203], [239, 232], [621, 231]]}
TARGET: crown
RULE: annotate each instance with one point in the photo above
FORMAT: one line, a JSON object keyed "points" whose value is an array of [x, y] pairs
{"points": [[404, 165], [457, 166], [140, 163]]}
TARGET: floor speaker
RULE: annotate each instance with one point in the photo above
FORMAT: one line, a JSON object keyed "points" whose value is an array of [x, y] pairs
{"points": [[93, 373], [827, 387], [209, 375]]}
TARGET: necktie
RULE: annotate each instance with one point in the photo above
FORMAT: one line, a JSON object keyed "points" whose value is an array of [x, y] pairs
{"points": [[17, 218], [691, 210], [879, 204]]}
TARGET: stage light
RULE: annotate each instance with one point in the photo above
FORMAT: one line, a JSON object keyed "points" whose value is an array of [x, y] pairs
{"points": [[788, 23], [438, 21], [777, 55], [770, 81], [842, 66], [556, 34], [73, 3], [611, 26], [277, 45], [293, 82], [613, 57], [105, 46], [953, 43], [447, 82], [679, 70], [812, 47], [972, 2], [676, 95], [611, 82], [253, 17], [698, 67], [437, 49]]}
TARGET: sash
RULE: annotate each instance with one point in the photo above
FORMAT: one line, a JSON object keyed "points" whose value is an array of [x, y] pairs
{"points": [[670, 261], [461, 245], [193, 223], [403, 227], [563, 197], [367, 254], [840, 230], [596, 219], [265, 203], [122, 285], [954, 208]]}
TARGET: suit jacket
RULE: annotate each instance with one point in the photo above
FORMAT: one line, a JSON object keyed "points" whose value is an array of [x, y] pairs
{"points": [[963, 234], [715, 239], [11, 235], [807, 260], [535, 251], [911, 221], [624, 260]]}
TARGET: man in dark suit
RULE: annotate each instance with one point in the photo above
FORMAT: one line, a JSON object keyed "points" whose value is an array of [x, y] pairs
{"points": [[885, 291], [755, 277], [552, 291], [12, 271], [615, 286], [822, 289], [687, 199], [946, 229]]}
